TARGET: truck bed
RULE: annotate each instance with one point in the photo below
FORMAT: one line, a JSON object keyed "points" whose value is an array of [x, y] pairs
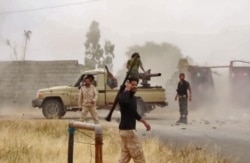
{"points": [[152, 95]]}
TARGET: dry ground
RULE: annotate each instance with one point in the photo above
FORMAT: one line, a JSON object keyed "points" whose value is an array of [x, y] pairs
{"points": [[27, 137]]}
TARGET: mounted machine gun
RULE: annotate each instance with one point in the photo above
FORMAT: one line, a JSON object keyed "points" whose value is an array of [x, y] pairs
{"points": [[146, 77]]}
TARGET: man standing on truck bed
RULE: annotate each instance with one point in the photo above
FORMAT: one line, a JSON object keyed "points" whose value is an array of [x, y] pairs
{"points": [[138, 64], [130, 144], [183, 95], [87, 100]]}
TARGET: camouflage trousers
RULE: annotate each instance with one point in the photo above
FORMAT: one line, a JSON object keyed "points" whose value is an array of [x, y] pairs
{"points": [[93, 112], [183, 105], [131, 147]]}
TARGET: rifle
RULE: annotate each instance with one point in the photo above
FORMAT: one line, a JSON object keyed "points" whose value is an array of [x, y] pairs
{"points": [[122, 87]]}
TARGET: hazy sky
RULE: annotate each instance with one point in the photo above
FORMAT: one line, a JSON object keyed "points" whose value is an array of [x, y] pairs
{"points": [[213, 31]]}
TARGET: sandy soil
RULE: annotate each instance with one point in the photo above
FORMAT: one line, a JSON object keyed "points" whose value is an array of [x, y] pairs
{"points": [[225, 129]]}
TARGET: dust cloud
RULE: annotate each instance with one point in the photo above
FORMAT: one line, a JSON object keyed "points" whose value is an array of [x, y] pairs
{"points": [[158, 57], [16, 88], [222, 104], [219, 104]]}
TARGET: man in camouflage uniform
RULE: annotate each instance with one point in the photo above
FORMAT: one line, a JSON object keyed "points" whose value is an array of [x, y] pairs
{"points": [[130, 143], [87, 100], [183, 95], [138, 64]]}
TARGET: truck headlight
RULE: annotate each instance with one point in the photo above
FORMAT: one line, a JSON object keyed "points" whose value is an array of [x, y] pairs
{"points": [[39, 95]]}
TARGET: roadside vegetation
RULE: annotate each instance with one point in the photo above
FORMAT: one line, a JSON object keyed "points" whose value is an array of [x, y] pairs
{"points": [[28, 141]]}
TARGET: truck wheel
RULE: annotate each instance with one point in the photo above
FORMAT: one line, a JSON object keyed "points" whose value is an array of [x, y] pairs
{"points": [[53, 109], [63, 112], [141, 106]]}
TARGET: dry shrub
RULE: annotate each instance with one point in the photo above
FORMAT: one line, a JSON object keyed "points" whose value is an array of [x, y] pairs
{"points": [[28, 141]]}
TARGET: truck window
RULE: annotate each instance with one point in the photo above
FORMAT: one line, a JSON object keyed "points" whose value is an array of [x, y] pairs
{"points": [[80, 83], [94, 82]]}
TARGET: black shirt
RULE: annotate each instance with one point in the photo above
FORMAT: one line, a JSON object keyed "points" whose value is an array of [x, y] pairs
{"points": [[182, 88], [128, 108]]}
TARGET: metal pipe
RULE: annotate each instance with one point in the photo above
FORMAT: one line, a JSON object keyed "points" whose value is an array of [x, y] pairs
{"points": [[231, 63], [218, 66], [98, 136], [98, 144], [71, 144], [209, 66]]}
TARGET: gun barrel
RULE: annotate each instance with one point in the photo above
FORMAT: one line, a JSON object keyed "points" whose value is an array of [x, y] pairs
{"points": [[149, 75], [154, 75]]}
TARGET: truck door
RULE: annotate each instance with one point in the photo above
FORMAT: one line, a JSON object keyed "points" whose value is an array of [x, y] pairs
{"points": [[101, 83], [239, 81], [202, 85], [74, 92]]}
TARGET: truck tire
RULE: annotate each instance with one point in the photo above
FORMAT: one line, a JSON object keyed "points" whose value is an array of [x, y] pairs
{"points": [[63, 112], [141, 106], [53, 109]]}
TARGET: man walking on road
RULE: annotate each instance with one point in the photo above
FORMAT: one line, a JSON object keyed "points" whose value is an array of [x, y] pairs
{"points": [[183, 94], [130, 143], [87, 100]]}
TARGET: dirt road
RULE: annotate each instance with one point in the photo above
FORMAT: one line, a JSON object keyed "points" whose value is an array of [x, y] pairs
{"points": [[228, 131], [228, 144]]}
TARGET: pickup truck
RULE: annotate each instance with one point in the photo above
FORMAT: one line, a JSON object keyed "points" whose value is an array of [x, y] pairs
{"points": [[56, 101]]}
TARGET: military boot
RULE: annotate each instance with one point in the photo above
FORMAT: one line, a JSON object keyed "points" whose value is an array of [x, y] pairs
{"points": [[185, 120], [180, 120]]}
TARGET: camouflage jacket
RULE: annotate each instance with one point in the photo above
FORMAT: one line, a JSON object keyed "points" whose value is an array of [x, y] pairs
{"points": [[87, 95]]}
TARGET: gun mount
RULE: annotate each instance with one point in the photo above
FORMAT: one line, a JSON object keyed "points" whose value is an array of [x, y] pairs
{"points": [[146, 77]]}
